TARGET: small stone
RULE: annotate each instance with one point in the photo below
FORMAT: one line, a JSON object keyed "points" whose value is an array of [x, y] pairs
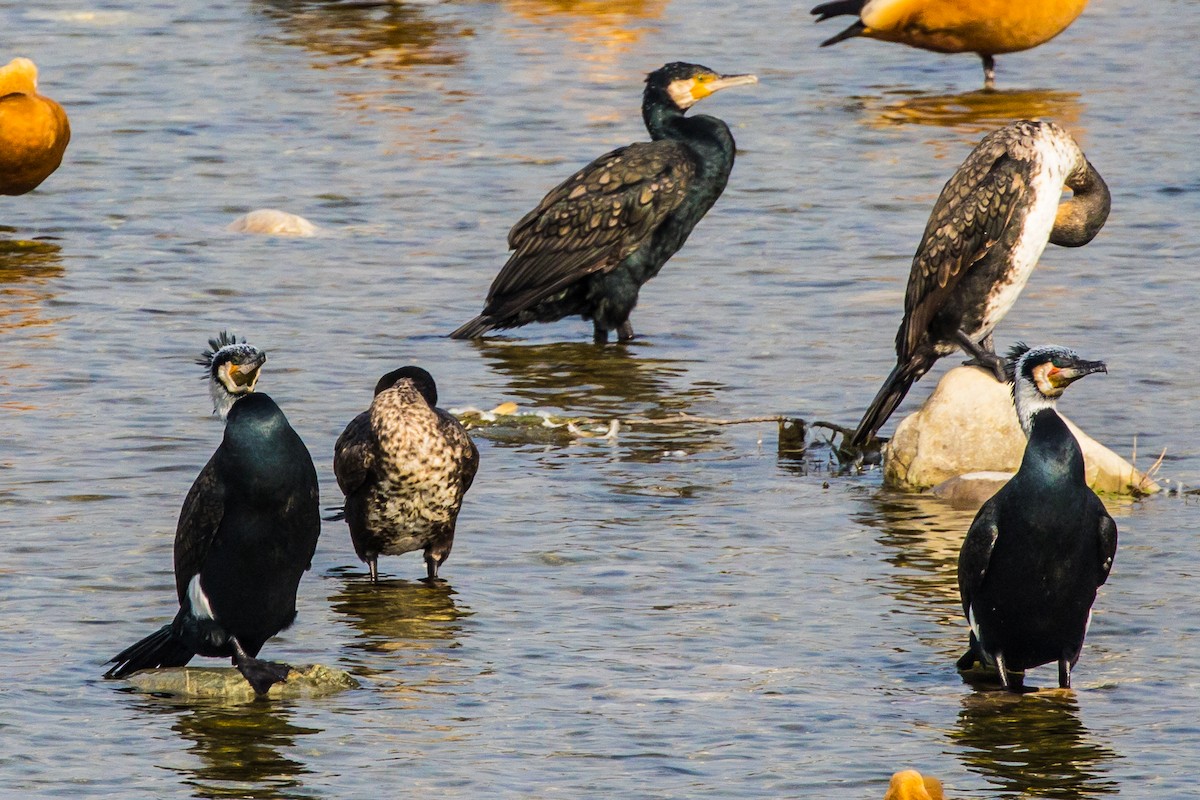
{"points": [[226, 683], [273, 222]]}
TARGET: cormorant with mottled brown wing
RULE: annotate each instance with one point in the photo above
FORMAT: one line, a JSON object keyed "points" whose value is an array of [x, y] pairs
{"points": [[595, 239], [984, 237]]}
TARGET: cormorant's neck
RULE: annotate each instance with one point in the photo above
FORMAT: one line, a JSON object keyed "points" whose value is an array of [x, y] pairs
{"points": [[1052, 451], [1081, 217], [666, 120]]}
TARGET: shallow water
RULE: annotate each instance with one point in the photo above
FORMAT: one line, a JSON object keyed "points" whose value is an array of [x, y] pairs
{"points": [[674, 613]]}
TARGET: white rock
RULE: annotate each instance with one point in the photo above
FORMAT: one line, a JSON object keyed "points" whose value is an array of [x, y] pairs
{"points": [[272, 222], [969, 425]]}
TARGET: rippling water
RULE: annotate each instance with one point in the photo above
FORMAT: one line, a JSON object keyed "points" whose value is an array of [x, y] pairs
{"points": [[674, 613]]}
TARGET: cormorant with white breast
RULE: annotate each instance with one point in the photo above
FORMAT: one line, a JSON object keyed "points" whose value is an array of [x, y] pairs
{"points": [[596, 238], [1040, 547], [404, 465], [985, 235], [247, 532], [232, 369]]}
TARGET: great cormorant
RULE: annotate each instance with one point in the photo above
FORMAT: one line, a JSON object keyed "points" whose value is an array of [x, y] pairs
{"points": [[984, 237], [232, 369], [247, 532], [597, 237], [986, 27], [1040, 547], [404, 465], [34, 130]]}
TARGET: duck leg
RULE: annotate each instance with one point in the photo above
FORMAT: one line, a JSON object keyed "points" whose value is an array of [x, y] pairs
{"points": [[989, 72], [1064, 673]]}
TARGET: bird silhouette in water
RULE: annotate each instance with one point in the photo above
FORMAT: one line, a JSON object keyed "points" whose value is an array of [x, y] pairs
{"points": [[34, 130], [596, 238], [404, 465], [1039, 549], [986, 27], [247, 532], [985, 235]]}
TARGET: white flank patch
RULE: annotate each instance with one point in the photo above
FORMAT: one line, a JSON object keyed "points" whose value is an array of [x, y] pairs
{"points": [[198, 600], [974, 625]]}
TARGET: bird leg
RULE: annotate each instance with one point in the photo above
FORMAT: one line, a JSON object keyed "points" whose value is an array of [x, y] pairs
{"points": [[373, 565], [262, 675], [1064, 673], [599, 332], [989, 72], [982, 354], [625, 332]]}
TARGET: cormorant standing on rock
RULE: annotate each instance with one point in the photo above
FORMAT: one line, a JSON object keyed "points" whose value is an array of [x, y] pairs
{"points": [[233, 368], [247, 532], [404, 465], [986, 27], [984, 237], [596, 238], [1040, 547]]}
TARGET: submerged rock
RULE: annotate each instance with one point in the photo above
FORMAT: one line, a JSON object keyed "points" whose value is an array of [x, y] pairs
{"points": [[273, 222], [226, 683], [971, 490], [969, 425]]}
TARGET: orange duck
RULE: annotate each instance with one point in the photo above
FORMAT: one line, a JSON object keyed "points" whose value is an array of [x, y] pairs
{"points": [[912, 785], [33, 130], [986, 27]]}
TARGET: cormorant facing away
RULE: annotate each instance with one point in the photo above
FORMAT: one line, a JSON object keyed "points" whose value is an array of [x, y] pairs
{"points": [[986, 27], [984, 237], [1040, 547], [233, 369], [597, 237], [34, 130], [247, 532], [404, 465]]}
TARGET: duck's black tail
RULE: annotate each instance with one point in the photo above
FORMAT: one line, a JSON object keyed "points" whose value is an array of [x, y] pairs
{"points": [[898, 382], [160, 649], [838, 8]]}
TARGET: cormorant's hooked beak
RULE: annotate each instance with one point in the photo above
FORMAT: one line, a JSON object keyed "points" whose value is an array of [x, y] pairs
{"points": [[246, 375], [725, 81], [1062, 377]]}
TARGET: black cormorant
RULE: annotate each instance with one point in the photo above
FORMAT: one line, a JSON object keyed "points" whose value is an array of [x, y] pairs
{"points": [[404, 465], [596, 238], [984, 237], [233, 368], [1040, 547], [247, 532]]}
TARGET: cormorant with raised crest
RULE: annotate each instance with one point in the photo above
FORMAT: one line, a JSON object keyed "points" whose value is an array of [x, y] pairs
{"points": [[232, 369], [247, 532], [1038, 550], [404, 465], [596, 238], [985, 235]]}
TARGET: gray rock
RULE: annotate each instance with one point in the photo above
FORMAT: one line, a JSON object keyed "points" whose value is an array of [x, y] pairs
{"points": [[226, 683]]}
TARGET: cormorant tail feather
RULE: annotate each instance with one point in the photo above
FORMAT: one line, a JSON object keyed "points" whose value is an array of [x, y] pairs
{"points": [[160, 649]]}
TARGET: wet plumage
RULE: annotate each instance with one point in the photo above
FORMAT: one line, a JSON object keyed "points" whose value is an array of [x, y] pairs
{"points": [[592, 242], [985, 27], [34, 130], [404, 465], [231, 369], [247, 532], [1038, 549], [985, 235]]}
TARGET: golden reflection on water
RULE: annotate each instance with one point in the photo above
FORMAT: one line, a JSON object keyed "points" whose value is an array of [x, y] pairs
{"points": [[974, 112], [27, 272], [241, 750], [394, 36], [1034, 745], [603, 28]]}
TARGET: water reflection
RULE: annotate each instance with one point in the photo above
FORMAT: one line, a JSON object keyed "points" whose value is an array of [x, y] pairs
{"points": [[27, 272], [394, 36], [919, 537], [242, 751], [1033, 745], [606, 28], [974, 112]]}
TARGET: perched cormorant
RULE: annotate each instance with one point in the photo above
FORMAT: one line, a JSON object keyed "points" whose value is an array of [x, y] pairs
{"points": [[984, 237], [233, 368], [34, 130], [1040, 547], [404, 465], [986, 27], [247, 532], [597, 237]]}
